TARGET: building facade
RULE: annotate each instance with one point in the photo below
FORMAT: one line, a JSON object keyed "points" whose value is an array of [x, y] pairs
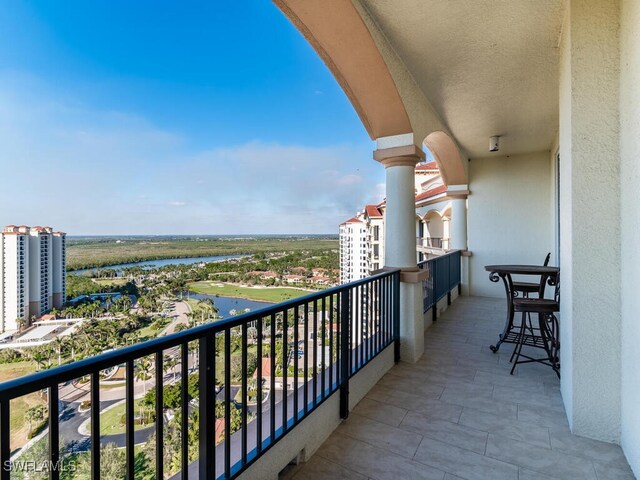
{"points": [[353, 251], [362, 237], [32, 273]]}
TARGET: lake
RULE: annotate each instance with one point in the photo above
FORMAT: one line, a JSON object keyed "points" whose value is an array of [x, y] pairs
{"points": [[160, 263], [225, 304]]}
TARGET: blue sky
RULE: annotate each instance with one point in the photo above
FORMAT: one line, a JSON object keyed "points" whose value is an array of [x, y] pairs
{"points": [[173, 117]]}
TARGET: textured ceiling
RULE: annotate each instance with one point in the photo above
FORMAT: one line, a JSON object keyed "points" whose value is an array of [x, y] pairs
{"points": [[488, 67]]}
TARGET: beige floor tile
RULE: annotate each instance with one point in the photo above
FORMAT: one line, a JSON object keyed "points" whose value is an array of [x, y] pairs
{"points": [[509, 381], [464, 463], [527, 397], [426, 406], [319, 468], [484, 404], [447, 432], [609, 472], [410, 385], [607, 453], [381, 435], [382, 412], [543, 416], [506, 427], [540, 459], [375, 463], [526, 474]]}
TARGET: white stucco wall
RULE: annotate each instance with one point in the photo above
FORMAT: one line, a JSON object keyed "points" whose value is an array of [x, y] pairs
{"points": [[509, 215], [630, 228], [590, 219]]}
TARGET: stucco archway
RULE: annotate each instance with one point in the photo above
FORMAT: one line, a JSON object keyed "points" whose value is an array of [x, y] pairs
{"points": [[448, 158]]}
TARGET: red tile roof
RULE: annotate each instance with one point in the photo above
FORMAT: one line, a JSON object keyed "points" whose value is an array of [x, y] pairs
{"points": [[320, 279], [219, 429], [372, 211], [352, 220], [427, 166], [431, 193], [294, 277], [266, 368]]}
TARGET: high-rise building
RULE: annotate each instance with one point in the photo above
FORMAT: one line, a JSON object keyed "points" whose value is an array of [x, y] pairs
{"points": [[362, 237], [32, 273], [353, 250]]}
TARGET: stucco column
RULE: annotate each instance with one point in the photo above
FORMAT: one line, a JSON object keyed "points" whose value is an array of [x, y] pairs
{"points": [[446, 232], [590, 313], [458, 225], [400, 243]]}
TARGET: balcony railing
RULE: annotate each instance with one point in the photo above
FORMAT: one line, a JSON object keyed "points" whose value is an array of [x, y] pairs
{"points": [[315, 343], [444, 275], [433, 242]]}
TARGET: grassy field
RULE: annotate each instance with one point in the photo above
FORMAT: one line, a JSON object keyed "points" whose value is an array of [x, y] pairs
{"points": [[19, 426], [111, 420], [102, 252], [260, 294]]}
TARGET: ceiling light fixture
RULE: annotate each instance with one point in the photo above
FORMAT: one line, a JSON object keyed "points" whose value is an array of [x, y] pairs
{"points": [[494, 143]]}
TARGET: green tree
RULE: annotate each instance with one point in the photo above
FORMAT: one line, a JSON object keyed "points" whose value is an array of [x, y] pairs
{"points": [[35, 415], [143, 372]]}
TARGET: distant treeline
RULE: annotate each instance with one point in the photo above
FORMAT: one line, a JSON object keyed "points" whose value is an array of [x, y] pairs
{"points": [[84, 252]]}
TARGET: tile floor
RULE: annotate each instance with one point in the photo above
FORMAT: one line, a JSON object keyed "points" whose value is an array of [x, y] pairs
{"points": [[458, 414]]}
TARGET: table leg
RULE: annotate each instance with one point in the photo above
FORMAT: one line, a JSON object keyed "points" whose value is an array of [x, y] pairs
{"points": [[508, 287]]}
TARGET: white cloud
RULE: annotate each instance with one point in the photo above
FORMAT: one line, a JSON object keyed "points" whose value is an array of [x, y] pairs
{"points": [[94, 171]]}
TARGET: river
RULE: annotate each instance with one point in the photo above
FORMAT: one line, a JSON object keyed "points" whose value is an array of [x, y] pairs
{"points": [[226, 304], [159, 263]]}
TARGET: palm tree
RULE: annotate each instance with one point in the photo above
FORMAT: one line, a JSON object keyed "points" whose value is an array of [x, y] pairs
{"points": [[58, 343], [38, 357], [72, 341], [143, 372], [170, 362]]}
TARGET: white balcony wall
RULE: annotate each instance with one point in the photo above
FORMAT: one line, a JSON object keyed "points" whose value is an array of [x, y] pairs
{"points": [[510, 215], [630, 227]]}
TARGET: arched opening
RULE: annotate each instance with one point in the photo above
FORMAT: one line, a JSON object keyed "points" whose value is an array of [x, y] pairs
{"points": [[447, 156], [433, 229]]}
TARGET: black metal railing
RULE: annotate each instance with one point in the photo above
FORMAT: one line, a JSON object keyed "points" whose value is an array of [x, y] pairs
{"points": [[258, 375], [444, 275]]}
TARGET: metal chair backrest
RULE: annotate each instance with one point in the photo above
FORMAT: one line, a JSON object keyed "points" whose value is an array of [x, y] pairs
{"points": [[547, 258]]}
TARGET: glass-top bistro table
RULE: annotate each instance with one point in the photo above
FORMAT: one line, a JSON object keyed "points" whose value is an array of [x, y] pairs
{"points": [[549, 275]]}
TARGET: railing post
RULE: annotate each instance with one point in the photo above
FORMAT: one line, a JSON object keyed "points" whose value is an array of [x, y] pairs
{"points": [[95, 425], [396, 316], [345, 351], [5, 435], [207, 441], [129, 415], [449, 279], [159, 407], [54, 434], [434, 290]]}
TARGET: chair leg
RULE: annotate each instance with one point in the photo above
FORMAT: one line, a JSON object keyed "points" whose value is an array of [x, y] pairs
{"points": [[518, 349]]}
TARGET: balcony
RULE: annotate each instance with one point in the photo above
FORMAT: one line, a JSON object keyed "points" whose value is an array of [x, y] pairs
{"points": [[324, 366], [457, 413], [435, 245]]}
